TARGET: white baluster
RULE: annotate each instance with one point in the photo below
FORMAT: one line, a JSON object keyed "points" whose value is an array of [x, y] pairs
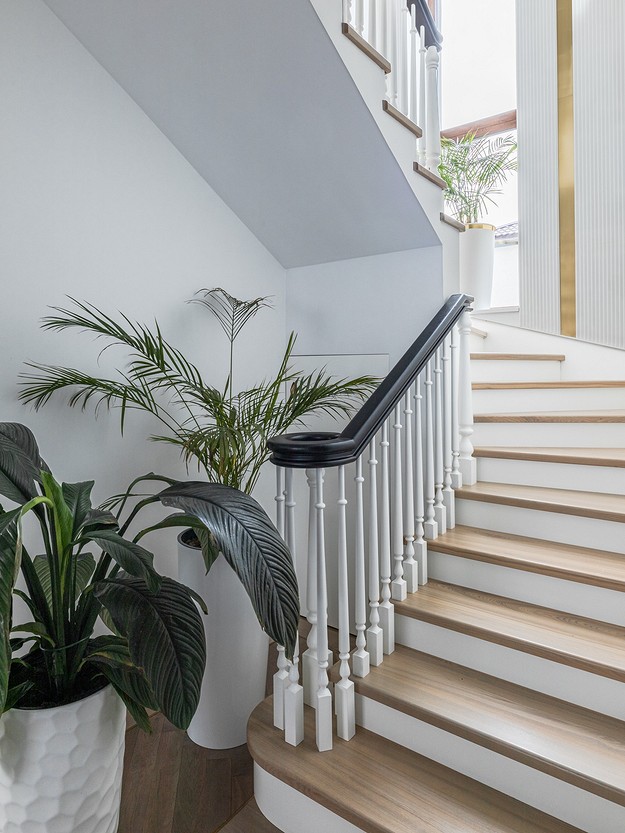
{"points": [[387, 608], [360, 660], [456, 477], [280, 683], [372, 24], [375, 636], [420, 545], [393, 75], [403, 23], [279, 498], [422, 113], [468, 467], [360, 17], [448, 493], [347, 12], [411, 568], [432, 120], [382, 46], [309, 657], [324, 696], [294, 693], [430, 525], [398, 587], [440, 512], [413, 107], [345, 699]]}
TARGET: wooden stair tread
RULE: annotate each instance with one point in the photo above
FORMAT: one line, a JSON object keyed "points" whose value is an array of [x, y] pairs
{"points": [[475, 331], [451, 221], [612, 457], [249, 820], [566, 501], [382, 787], [562, 637], [607, 416], [518, 357], [589, 566], [569, 742], [402, 119], [559, 385], [428, 174], [352, 35]]}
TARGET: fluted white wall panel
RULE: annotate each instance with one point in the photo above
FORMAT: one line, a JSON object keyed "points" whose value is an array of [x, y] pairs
{"points": [[599, 100], [539, 269]]}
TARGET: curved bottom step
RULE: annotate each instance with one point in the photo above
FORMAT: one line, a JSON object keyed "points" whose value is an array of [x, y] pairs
{"points": [[371, 784]]}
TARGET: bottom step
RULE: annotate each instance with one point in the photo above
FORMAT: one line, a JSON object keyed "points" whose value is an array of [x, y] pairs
{"points": [[371, 784]]}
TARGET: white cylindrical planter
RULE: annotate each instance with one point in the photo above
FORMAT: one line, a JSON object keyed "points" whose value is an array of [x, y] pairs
{"points": [[61, 768], [236, 653], [477, 257]]}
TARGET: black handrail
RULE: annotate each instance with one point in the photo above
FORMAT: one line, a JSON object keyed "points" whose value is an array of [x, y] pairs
{"points": [[317, 449], [424, 17]]}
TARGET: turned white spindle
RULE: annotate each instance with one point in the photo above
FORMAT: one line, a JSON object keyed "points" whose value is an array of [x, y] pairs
{"points": [[360, 659], [403, 32], [420, 544], [422, 112], [372, 23], [432, 120], [430, 526], [456, 477], [440, 512], [413, 64], [393, 75], [398, 587], [468, 467], [309, 657], [382, 46], [411, 567], [281, 677], [294, 692], [387, 608], [360, 17], [324, 696], [448, 492], [279, 498], [347, 12], [375, 645], [345, 698]]}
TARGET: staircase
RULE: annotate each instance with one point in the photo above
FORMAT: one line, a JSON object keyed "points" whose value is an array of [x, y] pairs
{"points": [[502, 708]]}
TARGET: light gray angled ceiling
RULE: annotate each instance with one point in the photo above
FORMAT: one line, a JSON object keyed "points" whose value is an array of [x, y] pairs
{"points": [[257, 99]]}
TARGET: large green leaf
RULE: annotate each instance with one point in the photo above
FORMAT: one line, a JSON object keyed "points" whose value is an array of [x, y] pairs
{"points": [[77, 497], [208, 544], [63, 519], [20, 463], [132, 558], [165, 638], [253, 548], [9, 567], [85, 565]]}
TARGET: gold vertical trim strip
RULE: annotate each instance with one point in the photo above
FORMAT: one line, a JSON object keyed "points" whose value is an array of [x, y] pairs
{"points": [[566, 168]]}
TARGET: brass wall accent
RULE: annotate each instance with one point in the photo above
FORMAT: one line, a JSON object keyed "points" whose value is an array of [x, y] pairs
{"points": [[566, 168]]}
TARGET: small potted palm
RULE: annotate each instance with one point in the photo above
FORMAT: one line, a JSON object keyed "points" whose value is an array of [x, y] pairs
{"points": [[222, 432], [474, 170], [64, 689]]}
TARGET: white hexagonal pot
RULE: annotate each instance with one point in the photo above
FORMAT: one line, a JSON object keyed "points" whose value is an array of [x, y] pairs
{"points": [[61, 768]]}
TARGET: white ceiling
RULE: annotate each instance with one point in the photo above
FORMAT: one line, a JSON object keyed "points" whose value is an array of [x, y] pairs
{"points": [[255, 96]]}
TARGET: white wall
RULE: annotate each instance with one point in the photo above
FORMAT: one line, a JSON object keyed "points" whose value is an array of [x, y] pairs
{"points": [[97, 204]]}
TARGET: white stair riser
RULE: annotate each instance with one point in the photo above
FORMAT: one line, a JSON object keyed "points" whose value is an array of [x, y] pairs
{"points": [[610, 480], [592, 691], [535, 588], [546, 793], [557, 434], [536, 523], [506, 401], [491, 370], [293, 812]]}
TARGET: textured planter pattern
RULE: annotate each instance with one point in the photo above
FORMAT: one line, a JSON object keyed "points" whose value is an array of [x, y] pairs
{"points": [[61, 768]]}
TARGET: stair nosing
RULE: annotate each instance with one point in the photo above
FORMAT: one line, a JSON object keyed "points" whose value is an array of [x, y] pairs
{"points": [[518, 357], [364, 46], [604, 417], [434, 716], [567, 384], [549, 454]]}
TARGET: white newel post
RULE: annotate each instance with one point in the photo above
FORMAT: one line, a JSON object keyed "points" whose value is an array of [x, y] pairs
{"points": [[448, 492], [440, 512], [294, 692], [430, 525], [456, 477], [324, 696], [375, 645], [309, 657], [411, 571], [422, 112], [432, 121], [387, 608], [398, 587], [360, 660], [468, 466], [421, 547], [345, 701]]}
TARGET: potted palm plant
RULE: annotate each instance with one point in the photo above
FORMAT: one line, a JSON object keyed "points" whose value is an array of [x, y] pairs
{"points": [[474, 169], [63, 688], [223, 432]]}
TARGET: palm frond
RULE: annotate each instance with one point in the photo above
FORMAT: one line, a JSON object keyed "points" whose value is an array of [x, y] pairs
{"points": [[231, 313]]}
